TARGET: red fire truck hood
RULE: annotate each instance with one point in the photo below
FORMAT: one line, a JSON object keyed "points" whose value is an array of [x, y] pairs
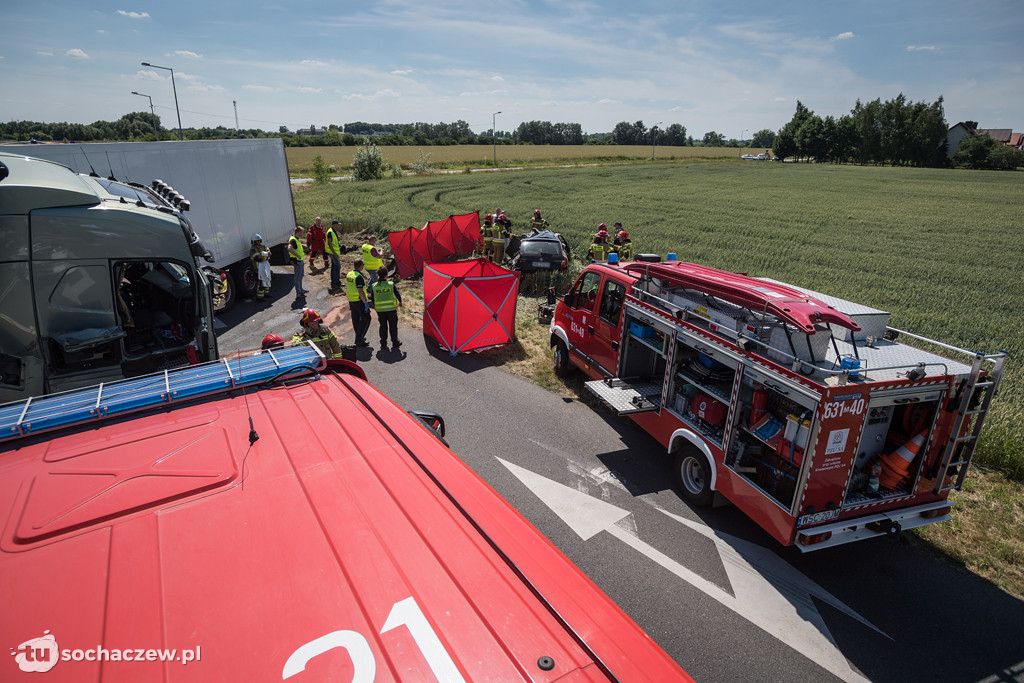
{"points": [[330, 548]]}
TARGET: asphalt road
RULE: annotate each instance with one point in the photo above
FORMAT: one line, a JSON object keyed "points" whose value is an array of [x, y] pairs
{"points": [[717, 593]]}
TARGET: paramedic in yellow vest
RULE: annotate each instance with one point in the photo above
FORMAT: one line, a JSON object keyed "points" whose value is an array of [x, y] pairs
{"points": [[386, 300], [485, 232], [298, 258], [372, 258], [333, 249], [355, 285], [313, 330], [599, 249]]}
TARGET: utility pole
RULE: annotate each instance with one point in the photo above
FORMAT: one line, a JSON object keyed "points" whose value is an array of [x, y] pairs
{"points": [[235, 104], [156, 135], [494, 140]]}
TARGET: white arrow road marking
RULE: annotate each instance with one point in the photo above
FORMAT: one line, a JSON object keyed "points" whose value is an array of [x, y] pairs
{"points": [[769, 593]]}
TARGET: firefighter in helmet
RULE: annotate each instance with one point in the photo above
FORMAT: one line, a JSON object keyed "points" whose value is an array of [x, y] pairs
{"points": [[623, 246], [485, 233], [313, 330], [600, 248], [537, 223], [499, 237], [260, 255]]}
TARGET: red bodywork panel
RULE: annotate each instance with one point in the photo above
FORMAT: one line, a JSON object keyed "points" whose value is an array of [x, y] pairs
{"points": [[346, 543]]}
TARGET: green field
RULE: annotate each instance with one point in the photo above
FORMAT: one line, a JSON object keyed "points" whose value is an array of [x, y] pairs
{"points": [[941, 250], [300, 159]]}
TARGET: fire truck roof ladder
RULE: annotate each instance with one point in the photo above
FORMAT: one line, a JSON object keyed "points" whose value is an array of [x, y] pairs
{"points": [[975, 396]]}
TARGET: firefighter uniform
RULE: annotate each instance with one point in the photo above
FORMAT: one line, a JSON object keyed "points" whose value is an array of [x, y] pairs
{"points": [[598, 251], [322, 338], [485, 232], [258, 254], [499, 237]]}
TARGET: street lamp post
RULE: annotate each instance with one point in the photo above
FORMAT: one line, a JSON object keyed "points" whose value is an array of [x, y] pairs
{"points": [[181, 135], [654, 138], [743, 134], [156, 135], [494, 139]]}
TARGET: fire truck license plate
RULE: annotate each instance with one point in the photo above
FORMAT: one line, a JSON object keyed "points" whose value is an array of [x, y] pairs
{"points": [[817, 517]]}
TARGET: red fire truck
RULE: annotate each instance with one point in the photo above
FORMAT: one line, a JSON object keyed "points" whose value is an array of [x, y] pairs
{"points": [[808, 412], [274, 517]]}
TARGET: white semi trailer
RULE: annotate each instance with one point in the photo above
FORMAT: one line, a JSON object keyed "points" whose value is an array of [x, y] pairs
{"points": [[235, 187]]}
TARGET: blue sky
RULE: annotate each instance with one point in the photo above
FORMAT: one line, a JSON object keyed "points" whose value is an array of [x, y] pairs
{"points": [[732, 67]]}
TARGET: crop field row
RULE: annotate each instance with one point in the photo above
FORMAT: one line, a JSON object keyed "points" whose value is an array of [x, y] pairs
{"points": [[300, 159], [941, 250]]}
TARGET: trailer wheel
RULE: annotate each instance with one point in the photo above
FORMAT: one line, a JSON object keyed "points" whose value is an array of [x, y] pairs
{"points": [[693, 473], [245, 277], [561, 359]]}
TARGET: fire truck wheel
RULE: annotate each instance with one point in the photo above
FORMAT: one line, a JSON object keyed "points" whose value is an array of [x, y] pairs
{"points": [[561, 359], [694, 475]]}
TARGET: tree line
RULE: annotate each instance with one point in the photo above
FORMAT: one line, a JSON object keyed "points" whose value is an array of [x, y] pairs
{"points": [[897, 132]]}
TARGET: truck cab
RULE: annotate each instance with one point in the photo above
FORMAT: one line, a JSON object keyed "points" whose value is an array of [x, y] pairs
{"points": [[807, 411], [101, 281]]}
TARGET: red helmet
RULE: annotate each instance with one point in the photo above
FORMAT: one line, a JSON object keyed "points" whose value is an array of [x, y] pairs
{"points": [[601, 233], [488, 217], [623, 234], [272, 341], [536, 212], [602, 226], [310, 316]]}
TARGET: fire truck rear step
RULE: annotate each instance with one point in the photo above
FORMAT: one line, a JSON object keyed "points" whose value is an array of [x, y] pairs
{"points": [[627, 398]]}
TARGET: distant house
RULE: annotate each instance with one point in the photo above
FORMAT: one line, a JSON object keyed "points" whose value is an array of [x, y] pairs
{"points": [[312, 131], [957, 133], [961, 130]]}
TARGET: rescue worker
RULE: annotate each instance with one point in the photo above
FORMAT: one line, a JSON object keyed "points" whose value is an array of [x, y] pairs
{"points": [[623, 246], [372, 258], [599, 249], [298, 260], [272, 342], [485, 232], [355, 285], [499, 237], [333, 249], [385, 299], [260, 257], [538, 223], [316, 240], [315, 331]]}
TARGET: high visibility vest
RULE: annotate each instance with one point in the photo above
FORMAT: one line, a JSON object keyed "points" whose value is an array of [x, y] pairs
{"points": [[486, 232], [599, 252], [325, 341], [498, 234], [626, 251], [384, 296], [371, 262], [296, 246], [350, 284], [332, 246]]}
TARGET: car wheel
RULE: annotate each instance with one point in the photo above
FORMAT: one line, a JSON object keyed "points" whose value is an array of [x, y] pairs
{"points": [[693, 474], [561, 359]]}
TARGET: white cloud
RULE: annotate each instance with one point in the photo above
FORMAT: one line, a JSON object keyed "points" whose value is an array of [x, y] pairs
{"points": [[76, 53], [314, 62], [401, 72], [915, 48], [259, 88], [380, 94], [44, 54], [609, 101], [843, 36], [185, 53], [133, 15], [305, 89]]}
